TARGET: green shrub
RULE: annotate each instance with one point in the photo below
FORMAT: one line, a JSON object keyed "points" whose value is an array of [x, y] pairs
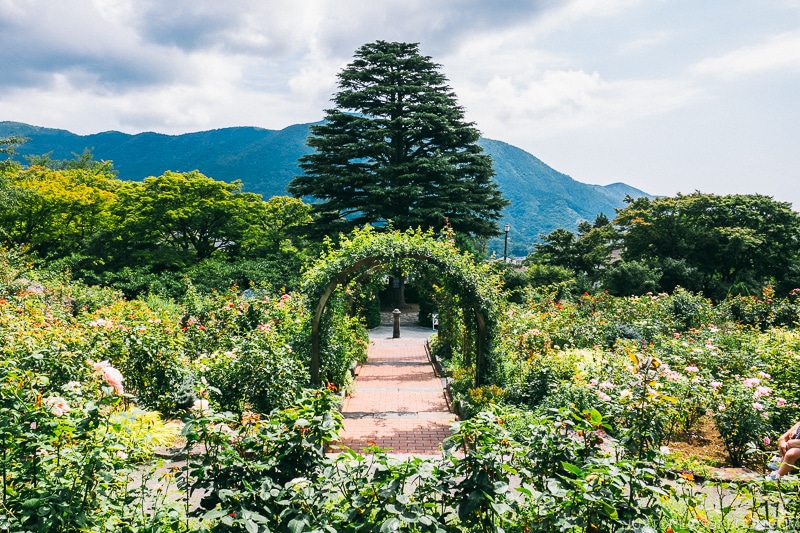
{"points": [[628, 278], [690, 311], [66, 458], [542, 275], [372, 312], [257, 375], [741, 416]]}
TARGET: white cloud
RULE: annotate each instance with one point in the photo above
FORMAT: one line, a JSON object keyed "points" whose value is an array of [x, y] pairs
{"points": [[778, 52], [555, 95], [646, 42], [571, 12], [560, 101], [116, 12]]}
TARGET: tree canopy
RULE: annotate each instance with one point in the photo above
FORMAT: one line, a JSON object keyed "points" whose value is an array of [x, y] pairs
{"points": [[726, 241], [719, 245], [588, 253], [397, 148], [57, 211], [188, 211], [149, 235]]}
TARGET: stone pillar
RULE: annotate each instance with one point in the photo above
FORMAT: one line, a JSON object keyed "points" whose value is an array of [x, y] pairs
{"points": [[396, 330]]}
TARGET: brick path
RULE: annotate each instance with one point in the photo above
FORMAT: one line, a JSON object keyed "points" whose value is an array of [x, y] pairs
{"points": [[398, 402]]}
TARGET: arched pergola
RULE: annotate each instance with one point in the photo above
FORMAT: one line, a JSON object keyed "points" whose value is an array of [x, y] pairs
{"points": [[366, 252]]}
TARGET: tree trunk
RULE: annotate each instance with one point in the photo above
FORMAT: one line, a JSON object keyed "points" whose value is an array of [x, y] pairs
{"points": [[397, 286]]}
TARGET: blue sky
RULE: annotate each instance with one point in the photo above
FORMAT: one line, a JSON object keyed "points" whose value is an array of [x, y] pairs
{"points": [[666, 95]]}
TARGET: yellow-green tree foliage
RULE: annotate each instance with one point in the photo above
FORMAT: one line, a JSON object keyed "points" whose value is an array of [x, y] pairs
{"points": [[56, 211]]}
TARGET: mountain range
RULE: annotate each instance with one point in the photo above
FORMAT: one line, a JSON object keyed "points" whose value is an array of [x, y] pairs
{"points": [[542, 199]]}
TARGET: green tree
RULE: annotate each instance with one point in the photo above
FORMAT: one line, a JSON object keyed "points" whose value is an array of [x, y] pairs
{"points": [[720, 241], [276, 226], [8, 146], [56, 212], [184, 217], [397, 148], [8, 167], [586, 254], [631, 278], [84, 160], [595, 244], [558, 248]]}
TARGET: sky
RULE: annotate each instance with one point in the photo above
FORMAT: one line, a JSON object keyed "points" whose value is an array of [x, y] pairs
{"points": [[668, 96]]}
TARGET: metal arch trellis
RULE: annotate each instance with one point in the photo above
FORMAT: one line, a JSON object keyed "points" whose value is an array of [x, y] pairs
{"points": [[373, 259]]}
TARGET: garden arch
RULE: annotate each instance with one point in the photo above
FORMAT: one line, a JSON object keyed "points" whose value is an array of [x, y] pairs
{"points": [[365, 251]]}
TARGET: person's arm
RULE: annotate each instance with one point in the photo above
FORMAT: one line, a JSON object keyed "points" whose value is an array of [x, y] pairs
{"points": [[787, 441]]}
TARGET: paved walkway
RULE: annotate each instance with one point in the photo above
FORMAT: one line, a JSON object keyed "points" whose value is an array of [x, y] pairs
{"points": [[398, 402]]}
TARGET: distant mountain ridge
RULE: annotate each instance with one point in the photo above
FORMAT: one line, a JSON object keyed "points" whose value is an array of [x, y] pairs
{"points": [[542, 199]]}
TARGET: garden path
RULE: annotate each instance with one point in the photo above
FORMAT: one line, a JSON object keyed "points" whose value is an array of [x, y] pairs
{"points": [[398, 402]]}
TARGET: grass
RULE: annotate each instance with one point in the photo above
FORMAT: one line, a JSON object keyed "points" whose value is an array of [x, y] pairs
{"points": [[144, 432]]}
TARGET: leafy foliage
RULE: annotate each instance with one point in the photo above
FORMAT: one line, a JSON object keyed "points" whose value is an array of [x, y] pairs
{"points": [[189, 212], [142, 237], [396, 149], [366, 253], [625, 375], [717, 245], [746, 240], [57, 212]]}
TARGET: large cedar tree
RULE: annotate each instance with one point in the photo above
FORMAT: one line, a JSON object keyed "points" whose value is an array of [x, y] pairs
{"points": [[396, 148]]}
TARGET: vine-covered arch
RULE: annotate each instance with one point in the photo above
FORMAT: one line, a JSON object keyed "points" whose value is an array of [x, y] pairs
{"points": [[365, 251]]}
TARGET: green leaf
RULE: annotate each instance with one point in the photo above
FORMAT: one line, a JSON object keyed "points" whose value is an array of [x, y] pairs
{"points": [[251, 526], [554, 487], [390, 524], [214, 514], [576, 470], [610, 510], [296, 525], [500, 508], [31, 503]]}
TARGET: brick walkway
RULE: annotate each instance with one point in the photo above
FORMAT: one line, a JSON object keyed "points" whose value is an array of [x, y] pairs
{"points": [[398, 402]]}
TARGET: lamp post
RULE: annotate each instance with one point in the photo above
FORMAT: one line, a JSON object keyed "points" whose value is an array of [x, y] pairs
{"points": [[506, 228]]}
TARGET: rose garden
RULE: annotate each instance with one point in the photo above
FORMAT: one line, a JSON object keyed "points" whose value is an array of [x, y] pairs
{"points": [[592, 413]]}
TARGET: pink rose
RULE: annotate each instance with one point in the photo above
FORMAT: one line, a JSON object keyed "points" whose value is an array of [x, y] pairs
{"points": [[762, 391], [58, 405], [114, 378], [111, 375], [751, 382]]}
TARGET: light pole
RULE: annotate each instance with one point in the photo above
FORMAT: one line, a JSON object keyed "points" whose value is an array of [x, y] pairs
{"points": [[506, 228]]}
